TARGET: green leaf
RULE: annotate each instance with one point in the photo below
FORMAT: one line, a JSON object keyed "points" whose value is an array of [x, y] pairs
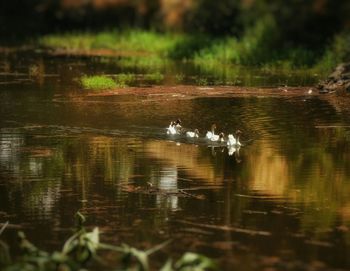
{"points": [[168, 266], [140, 256], [193, 261], [80, 219]]}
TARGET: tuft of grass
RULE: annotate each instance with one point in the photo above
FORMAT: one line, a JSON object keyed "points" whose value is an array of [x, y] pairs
{"points": [[97, 82], [179, 78], [201, 81], [125, 80], [156, 77]]}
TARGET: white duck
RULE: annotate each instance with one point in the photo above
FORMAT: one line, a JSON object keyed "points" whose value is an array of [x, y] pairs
{"points": [[171, 130], [193, 134], [234, 141], [211, 133], [218, 138]]}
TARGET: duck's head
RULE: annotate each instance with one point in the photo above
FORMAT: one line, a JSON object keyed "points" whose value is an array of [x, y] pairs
{"points": [[221, 135], [238, 133], [213, 126], [196, 131], [178, 122]]}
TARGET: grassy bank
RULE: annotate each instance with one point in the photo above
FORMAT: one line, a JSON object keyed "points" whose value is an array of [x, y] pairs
{"points": [[147, 42], [259, 46]]}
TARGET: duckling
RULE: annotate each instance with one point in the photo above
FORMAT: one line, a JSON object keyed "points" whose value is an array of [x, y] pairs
{"points": [[211, 133], [193, 134]]}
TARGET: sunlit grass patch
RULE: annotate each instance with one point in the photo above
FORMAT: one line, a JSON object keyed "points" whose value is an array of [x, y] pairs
{"points": [[258, 46], [126, 41], [69, 41], [97, 82]]}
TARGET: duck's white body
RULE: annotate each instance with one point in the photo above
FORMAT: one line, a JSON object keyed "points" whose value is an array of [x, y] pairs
{"points": [[171, 130], [191, 134], [217, 138], [232, 141], [214, 138], [209, 135]]}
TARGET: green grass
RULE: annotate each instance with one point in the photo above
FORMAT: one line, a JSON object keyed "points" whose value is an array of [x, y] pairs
{"points": [[125, 80], [149, 63], [258, 46], [179, 78], [338, 51], [156, 77], [202, 81], [149, 42], [103, 82], [97, 82]]}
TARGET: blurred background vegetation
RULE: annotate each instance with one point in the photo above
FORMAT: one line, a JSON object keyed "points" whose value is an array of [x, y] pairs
{"points": [[304, 32]]}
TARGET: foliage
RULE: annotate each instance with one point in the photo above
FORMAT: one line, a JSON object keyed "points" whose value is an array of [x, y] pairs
{"points": [[259, 45], [337, 52], [179, 78], [190, 262], [246, 32], [124, 80], [132, 40], [83, 246], [201, 81], [156, 77], [97, 82]]}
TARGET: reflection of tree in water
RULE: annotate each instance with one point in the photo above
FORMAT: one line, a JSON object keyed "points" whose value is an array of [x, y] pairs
{"points": [[25, 171], [166, 180]]}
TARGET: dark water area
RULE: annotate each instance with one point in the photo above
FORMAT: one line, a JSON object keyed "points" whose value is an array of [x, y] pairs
{"points": [[281, 200], [48, 71]]}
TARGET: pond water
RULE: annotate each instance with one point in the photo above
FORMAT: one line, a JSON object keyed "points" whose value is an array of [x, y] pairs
{"points": [[282, 200]]}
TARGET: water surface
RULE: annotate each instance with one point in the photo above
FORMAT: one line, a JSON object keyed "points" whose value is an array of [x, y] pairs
{"points": [[281, 201]]}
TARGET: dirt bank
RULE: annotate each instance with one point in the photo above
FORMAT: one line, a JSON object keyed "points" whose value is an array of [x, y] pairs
{"points": [[190, 91]]}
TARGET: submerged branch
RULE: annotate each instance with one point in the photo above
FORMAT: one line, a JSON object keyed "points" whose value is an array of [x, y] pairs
{"points": [[226, 228]]}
